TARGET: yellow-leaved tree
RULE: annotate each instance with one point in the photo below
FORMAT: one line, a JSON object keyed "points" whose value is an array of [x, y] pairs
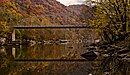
{"points": [[111, 19], [8, 17]]}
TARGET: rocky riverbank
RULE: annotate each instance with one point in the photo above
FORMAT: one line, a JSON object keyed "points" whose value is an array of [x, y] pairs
{"points": [[119, 50]]}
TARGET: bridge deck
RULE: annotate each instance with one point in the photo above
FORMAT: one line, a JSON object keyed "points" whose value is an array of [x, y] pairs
{"points": [[51, 26]]}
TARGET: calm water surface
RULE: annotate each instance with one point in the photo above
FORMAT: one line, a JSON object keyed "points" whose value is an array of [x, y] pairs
{"points": [[24, 60]]}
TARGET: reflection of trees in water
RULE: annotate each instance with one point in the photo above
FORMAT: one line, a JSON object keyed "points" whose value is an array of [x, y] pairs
{"points": [[42, 68], [52, 68], [111, 66], [6, 64]]}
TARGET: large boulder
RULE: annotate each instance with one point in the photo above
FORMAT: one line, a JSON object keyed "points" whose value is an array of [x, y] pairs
{"points": [[90, 55]]}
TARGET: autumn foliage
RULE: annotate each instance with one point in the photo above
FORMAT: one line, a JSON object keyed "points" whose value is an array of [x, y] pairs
{"points": [[43, 12]]}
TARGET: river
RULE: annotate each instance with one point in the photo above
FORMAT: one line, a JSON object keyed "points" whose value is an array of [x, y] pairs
{"points": [[56, 59]]}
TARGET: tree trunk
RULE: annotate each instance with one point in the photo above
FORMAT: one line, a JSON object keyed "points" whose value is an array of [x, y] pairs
{"points": [[124, 17]]}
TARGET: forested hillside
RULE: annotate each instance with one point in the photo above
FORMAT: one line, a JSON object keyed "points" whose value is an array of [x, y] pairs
{"points": [[37, 12]]}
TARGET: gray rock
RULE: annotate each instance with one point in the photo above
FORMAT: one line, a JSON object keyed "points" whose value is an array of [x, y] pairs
{"points": [[2, 40]]}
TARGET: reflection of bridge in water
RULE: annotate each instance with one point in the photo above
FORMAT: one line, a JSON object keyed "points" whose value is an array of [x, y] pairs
{"points": [[20, 60]]}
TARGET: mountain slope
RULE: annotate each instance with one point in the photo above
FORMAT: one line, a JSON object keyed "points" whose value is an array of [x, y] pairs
{"points": [[30, 8], [33, 13]]}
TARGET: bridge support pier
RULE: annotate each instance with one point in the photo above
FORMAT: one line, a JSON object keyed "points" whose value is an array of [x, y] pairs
{"points": [[13, 35], [13, 52]]}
